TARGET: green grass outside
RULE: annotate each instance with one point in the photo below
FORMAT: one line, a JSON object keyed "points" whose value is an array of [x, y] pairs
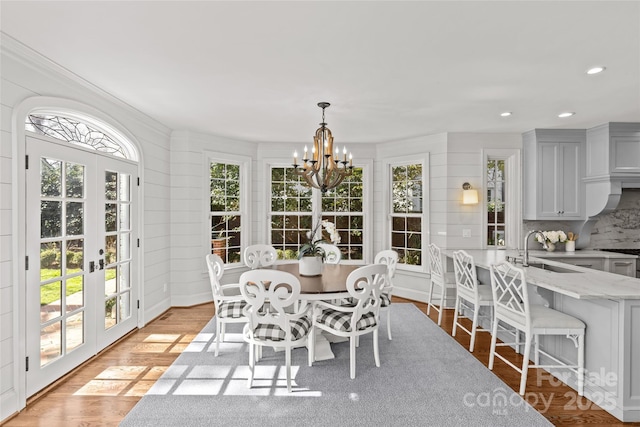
{"points": [[51, 292]]}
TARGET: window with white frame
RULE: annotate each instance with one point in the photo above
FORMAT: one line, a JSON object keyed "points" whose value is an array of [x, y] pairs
{"points": [[406, 212], [295, 210], [226, 210], [496, 202], [502, 205]]}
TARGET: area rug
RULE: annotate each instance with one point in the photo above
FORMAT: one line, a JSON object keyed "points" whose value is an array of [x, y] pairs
{"points": [[425, 378]]}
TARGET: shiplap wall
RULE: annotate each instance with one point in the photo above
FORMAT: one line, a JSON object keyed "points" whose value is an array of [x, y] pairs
{"points": [[26, 74], [189, 211]]}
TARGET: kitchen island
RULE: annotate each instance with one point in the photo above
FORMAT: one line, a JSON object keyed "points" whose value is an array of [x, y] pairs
{"points": [[609, 304]]}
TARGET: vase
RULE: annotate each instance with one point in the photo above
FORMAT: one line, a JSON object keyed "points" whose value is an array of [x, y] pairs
{"points": [[570, 246], [310, 266], [551, 247]]}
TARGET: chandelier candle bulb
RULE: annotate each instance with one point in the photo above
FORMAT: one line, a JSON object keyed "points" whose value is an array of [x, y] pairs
{"points": [[305, 154], [344, 151], [295, 157]]}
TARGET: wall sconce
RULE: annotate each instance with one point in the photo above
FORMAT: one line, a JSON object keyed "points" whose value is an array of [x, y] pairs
{"points": [[469, 195]]}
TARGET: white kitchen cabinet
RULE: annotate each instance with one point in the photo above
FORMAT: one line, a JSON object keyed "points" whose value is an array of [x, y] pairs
{"points": [[613, 149], [625, 266], [553, 171]]}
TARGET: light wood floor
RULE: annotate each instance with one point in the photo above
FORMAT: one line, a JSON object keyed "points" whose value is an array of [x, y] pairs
{"points": [[104, 390]]}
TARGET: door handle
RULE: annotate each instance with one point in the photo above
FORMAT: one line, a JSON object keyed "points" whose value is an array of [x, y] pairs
{"points": [[101, 263]]}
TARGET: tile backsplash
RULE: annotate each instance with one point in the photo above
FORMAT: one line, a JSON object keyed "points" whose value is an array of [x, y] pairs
{"points": [[620, 228]]}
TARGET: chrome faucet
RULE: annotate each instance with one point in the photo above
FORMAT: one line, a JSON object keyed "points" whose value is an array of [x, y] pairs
{"points": [[525, 259]]}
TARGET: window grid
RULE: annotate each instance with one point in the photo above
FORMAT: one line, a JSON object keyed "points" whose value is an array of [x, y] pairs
{"points": [[496, 203], [406, 213], [292, 213], [225, 211]]}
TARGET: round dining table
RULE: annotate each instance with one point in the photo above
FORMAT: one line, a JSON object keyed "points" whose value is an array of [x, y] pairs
{"points": [[330, 285]]}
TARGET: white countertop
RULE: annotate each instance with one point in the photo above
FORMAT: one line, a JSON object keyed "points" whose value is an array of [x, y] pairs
{"points": [[583, 283], [579, 254]]}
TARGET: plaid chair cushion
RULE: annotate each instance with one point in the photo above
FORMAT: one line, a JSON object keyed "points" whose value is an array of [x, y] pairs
{"points": [[385, 301], [340, 320], [299, 329], [231, 309]]}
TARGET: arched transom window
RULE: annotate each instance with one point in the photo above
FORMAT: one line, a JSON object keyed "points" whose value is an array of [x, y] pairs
{"points": [[77, 131]]}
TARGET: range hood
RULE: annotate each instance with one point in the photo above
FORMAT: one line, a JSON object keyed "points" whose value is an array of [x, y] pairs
{"points": [[613, 163]]}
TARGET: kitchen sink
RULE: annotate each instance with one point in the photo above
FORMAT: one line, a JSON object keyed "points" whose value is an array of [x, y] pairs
{"points": [[552, 268]]}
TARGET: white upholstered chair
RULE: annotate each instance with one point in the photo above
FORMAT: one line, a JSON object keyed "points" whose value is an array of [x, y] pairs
{"points": [[332, 254], [440, 278], [258, 256], [229, 307], [469, 293], [512, 307], [390, 258], [268, 293], [365, 286]]}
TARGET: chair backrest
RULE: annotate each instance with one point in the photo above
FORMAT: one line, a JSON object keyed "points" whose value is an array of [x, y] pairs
{"points": [[215, 265], [332, 254], [435, 262], [258, 256], [510, 294], [464, 268], [365, 285], [390, 258], [268, 293]]}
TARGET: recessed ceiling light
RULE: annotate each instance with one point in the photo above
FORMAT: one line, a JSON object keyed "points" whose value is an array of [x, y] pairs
{"points": [[567, 114], [506, 114], [595, 70]]}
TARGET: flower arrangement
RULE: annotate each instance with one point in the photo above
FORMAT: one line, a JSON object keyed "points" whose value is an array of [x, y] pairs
{"points": [[311, 248], [552, 237]]}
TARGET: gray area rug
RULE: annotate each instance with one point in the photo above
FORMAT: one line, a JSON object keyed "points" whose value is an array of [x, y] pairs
{"points": [[425, 379]]}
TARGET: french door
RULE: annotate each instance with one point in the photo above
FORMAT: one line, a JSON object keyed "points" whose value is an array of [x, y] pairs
{"points": [[80, 231]]}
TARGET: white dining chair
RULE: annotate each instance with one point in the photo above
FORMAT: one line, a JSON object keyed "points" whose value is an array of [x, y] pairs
{"points": [[270, 296], [228, 307], [512, 307], [390, 259], [365, 286], [438, 277], [470, 294], [258, 256], [332, 254]]}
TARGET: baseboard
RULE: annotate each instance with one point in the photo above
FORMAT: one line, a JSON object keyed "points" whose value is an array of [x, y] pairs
{"points": [[8, 405], [190, 300], [411, 294], [156, 310]]}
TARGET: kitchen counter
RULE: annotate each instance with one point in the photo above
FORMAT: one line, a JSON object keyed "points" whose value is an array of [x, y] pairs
{"points": [[581, 283], [609, 305], [580, 254]]}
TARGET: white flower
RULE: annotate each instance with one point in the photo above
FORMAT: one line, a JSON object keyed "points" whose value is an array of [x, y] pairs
{"points": [[331, 229], [552, 237]]}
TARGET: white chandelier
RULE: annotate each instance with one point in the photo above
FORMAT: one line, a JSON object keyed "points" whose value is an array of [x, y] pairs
{"points": [[324, 170]]}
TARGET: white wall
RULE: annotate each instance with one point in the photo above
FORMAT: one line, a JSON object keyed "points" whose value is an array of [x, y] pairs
{"points": [[190, 238], [25, 74]]}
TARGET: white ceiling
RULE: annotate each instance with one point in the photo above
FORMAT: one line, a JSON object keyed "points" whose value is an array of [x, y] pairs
{"points": [[256, 70]]}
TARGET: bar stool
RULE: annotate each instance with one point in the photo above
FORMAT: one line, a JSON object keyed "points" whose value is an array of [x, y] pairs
{"points": [[439, 278], [469, 291], [511, 306]]}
